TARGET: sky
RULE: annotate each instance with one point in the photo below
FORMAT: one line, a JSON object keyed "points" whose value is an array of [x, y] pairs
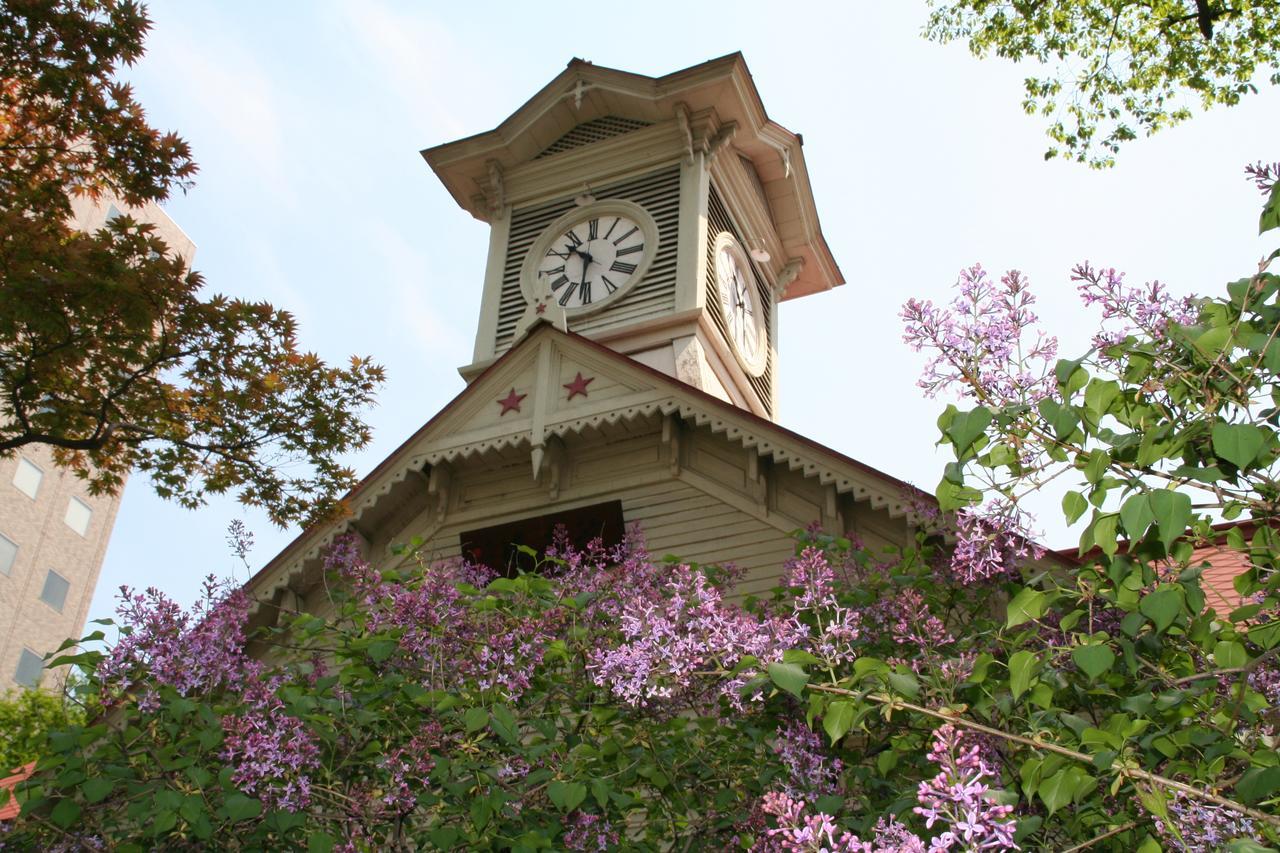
{"points": [[307, 120]]}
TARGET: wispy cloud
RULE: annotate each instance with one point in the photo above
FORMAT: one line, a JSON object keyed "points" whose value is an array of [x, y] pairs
{"points": [[239, 117], [417, 60]]}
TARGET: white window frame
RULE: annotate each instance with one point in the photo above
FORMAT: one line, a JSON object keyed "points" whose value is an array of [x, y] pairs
{"points": [[8, 569], [88, 518], [25, 465]]}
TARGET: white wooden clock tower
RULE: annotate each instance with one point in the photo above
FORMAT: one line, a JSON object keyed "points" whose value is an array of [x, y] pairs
{"points": [[644, 231], [664, 217]]}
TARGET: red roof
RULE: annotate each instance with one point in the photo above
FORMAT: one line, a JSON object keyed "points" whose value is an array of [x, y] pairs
{"points": [[10, 808], [1224, 564]]}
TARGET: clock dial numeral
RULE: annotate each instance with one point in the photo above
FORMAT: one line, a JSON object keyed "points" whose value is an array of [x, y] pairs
{"points": [[576, 262]]}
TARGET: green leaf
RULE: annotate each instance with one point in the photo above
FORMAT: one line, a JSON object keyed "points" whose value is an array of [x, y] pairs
{"points": [[1060, 788], [1270, 217], [1104, 533], [1229, 654], [1094, 659], [966, 427], [566, 796], [838, 719], [504, 725], [320, 842], [951, 497], [475, 719], [1258, 784], [1238, 443], [1136, 516], [1161, 606], [1099, 394], [789, 677], [1172, 511], [381, 650], [1022, 667], [239, 807], [98, 789], [1026, 605], [905, 683], [1073, 506], [1095, 468], [65, 813]]}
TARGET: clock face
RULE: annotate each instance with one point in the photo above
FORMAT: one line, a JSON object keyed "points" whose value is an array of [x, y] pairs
{"points": [[740, 304], [593, 260]]}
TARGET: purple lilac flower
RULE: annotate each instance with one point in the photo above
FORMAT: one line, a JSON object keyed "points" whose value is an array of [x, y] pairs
{"points": [[589, 832], [992, 544], [1148, 309], [1197, 825], [687, 631], [985, 343], [957, 798], [810, 772]]}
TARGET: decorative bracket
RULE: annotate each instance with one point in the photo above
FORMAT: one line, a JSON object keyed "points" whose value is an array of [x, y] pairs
{"points": [[721, 138], [682, 119], [671, 429], [438, 486], [788, 273], [497, 192]]}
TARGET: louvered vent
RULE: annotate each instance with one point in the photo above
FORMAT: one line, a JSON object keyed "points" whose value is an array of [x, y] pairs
{"points": [[593, 131], [658, 193], [718, 220]]}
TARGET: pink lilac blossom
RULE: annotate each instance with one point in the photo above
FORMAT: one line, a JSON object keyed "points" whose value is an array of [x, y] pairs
{"points": [[690, 629], [1146, 310], [810, 772], [1202, 825], [910, 622], [1263, 175], [589, 832], [957, 797], [838, 627], [985, 342], [992, 544]]}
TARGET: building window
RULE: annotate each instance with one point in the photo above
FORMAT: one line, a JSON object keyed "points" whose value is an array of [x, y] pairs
{"points": [[55, 589], [27, 477], [30, 668], [78, 516], [498, 547], [8, 554]]}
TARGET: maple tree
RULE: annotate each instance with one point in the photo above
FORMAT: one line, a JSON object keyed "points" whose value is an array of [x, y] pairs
{"points": [[110, 354], [1111, 69]]}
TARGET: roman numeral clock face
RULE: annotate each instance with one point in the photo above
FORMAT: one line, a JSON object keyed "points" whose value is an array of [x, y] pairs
{"points": [[741, 307], [593, 260]]}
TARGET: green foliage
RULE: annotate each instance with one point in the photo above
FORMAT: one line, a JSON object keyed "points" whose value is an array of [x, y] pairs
{"points": [[1113, 69], [109, 354], [26, 718]]}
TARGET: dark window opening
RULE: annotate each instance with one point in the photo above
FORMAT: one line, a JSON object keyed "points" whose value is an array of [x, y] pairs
{"points": [[497, 546]]}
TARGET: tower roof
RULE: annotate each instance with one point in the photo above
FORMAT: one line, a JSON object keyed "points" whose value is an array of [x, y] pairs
{"points": [[711, 103]]}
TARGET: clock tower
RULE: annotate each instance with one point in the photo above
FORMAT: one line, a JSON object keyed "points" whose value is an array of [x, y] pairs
{"points": [[663, 217], [643, 232]]}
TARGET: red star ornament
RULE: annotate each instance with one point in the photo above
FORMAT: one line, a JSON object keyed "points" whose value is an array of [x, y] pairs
{"points": [[578, 385], [511, 403], [540, 308]]}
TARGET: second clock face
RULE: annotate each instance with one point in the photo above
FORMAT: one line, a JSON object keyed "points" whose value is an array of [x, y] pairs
{"points": [[740, 304], [591, 261]]}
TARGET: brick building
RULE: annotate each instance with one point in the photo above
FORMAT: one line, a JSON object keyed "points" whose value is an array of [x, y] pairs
{"points": [[53, 533]]}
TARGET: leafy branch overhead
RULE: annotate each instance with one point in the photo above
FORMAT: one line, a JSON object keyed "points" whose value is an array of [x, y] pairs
{"points": [[109, 353], [1110, 70]]}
